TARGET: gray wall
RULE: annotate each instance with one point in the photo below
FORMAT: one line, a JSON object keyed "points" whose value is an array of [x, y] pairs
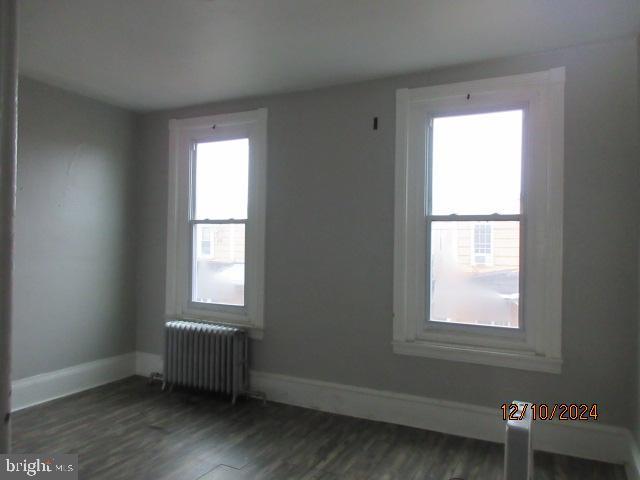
{"points": [[330, 237], [73, 270]]}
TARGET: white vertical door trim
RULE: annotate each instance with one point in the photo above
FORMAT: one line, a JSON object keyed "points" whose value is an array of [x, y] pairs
{"points": [[8, 166]]}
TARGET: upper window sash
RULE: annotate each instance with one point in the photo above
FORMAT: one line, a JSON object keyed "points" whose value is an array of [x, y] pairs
{"points": [[225, 134]]}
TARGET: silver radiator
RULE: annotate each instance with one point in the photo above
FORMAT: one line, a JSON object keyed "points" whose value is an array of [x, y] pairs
{"points": [[207, 357]]}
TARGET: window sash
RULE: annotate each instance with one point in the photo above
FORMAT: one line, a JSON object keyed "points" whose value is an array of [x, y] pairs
{"points": [[494, 217], [462, 111], [192, 176], [476, 330], [193, 265], [219, 222], [483, 330], [193, 222]]}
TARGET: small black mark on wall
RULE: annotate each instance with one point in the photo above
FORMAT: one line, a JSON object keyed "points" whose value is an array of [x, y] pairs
{"points": [[375, 123]]}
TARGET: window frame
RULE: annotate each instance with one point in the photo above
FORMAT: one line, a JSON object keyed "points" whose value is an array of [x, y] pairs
{"points": [[537, 344], [223, 132], [490, 102], [184, 135]]}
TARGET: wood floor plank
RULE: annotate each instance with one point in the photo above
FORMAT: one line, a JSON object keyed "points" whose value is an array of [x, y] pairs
{"points": [[129, 430]]}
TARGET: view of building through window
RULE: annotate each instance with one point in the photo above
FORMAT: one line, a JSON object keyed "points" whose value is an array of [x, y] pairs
{"points": [[221, 173], [475, 260], [468, 287], [205, 241]]}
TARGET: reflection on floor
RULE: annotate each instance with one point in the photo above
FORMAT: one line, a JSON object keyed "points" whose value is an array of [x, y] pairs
{"points": [[130, 430]]}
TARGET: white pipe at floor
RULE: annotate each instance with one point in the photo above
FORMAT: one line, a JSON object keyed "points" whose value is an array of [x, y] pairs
{"points": [[8, 163]]}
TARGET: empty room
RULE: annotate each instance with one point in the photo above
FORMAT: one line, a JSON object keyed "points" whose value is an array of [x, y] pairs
{"points": [[320, 239]]}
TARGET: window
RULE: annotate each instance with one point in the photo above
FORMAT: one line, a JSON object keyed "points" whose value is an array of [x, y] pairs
{"points": [[215, 255], [475, 163], [219, 195], [478, 241], [206, 243], [482, 244]]}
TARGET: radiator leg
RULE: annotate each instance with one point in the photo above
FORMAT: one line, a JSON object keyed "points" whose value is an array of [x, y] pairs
{"points": [[257, 395], [155, 377]]}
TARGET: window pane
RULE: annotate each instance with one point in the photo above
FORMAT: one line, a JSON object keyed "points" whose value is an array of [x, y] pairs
{"points": [[222, 176], [219, 264], [475, 271], [476, 162]]}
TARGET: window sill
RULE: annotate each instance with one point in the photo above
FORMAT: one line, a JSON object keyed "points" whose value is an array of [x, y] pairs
{"points": [[477, 355]]}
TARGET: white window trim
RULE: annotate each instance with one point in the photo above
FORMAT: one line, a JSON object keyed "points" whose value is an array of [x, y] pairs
{"points": [[538, 345], [182, 134]]}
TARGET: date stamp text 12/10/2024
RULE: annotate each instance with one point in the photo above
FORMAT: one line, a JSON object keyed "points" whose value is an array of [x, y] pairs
{"points": [[544, 411]]}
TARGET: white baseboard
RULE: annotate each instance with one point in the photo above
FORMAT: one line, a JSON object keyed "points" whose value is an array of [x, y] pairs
{"points": [[41, 388], [410, 410], [585, 440], [580, 439]]}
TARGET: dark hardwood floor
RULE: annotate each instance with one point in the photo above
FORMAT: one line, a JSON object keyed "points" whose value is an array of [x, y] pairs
{"points": [[130, 430]]}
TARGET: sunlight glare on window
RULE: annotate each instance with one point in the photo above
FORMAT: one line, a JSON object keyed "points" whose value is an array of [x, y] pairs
{"points": [[476, 163], [222, 179]]}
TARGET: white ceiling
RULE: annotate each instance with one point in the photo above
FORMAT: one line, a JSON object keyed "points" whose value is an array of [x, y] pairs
{"points": [[151, 54]]}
